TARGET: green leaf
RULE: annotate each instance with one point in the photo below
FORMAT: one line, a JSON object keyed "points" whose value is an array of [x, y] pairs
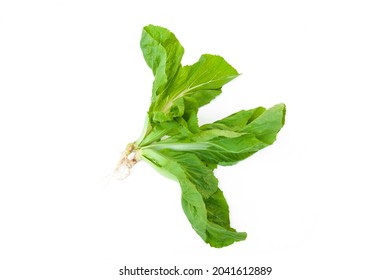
{"points": [[202, 201], [259, 127], [225, 144], [201, 81], [163, 54]]}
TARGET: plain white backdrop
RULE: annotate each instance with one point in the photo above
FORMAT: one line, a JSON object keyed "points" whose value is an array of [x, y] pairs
{"points": [[74, 90]]}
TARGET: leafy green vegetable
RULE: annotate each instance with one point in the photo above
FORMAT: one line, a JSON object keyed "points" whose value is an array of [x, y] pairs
{"points": [[173, 142]]}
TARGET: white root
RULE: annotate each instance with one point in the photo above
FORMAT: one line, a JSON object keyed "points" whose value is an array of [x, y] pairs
{"points": [[128, 159]]}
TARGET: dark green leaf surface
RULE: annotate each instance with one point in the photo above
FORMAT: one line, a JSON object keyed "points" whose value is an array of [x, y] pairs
{"points": [[163, 54], [202, 201]]}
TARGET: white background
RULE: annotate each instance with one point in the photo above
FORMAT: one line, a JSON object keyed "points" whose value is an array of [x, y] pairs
{"points": [[74, 90]]}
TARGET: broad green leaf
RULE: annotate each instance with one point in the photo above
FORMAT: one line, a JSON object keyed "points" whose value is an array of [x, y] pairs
{"points": [[219, 143], [163, 54], [219, 150], [260, 128], [201, 81], [202, 201]]}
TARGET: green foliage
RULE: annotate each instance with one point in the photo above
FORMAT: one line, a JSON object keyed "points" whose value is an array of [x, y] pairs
{"points": [[174, 143]]}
